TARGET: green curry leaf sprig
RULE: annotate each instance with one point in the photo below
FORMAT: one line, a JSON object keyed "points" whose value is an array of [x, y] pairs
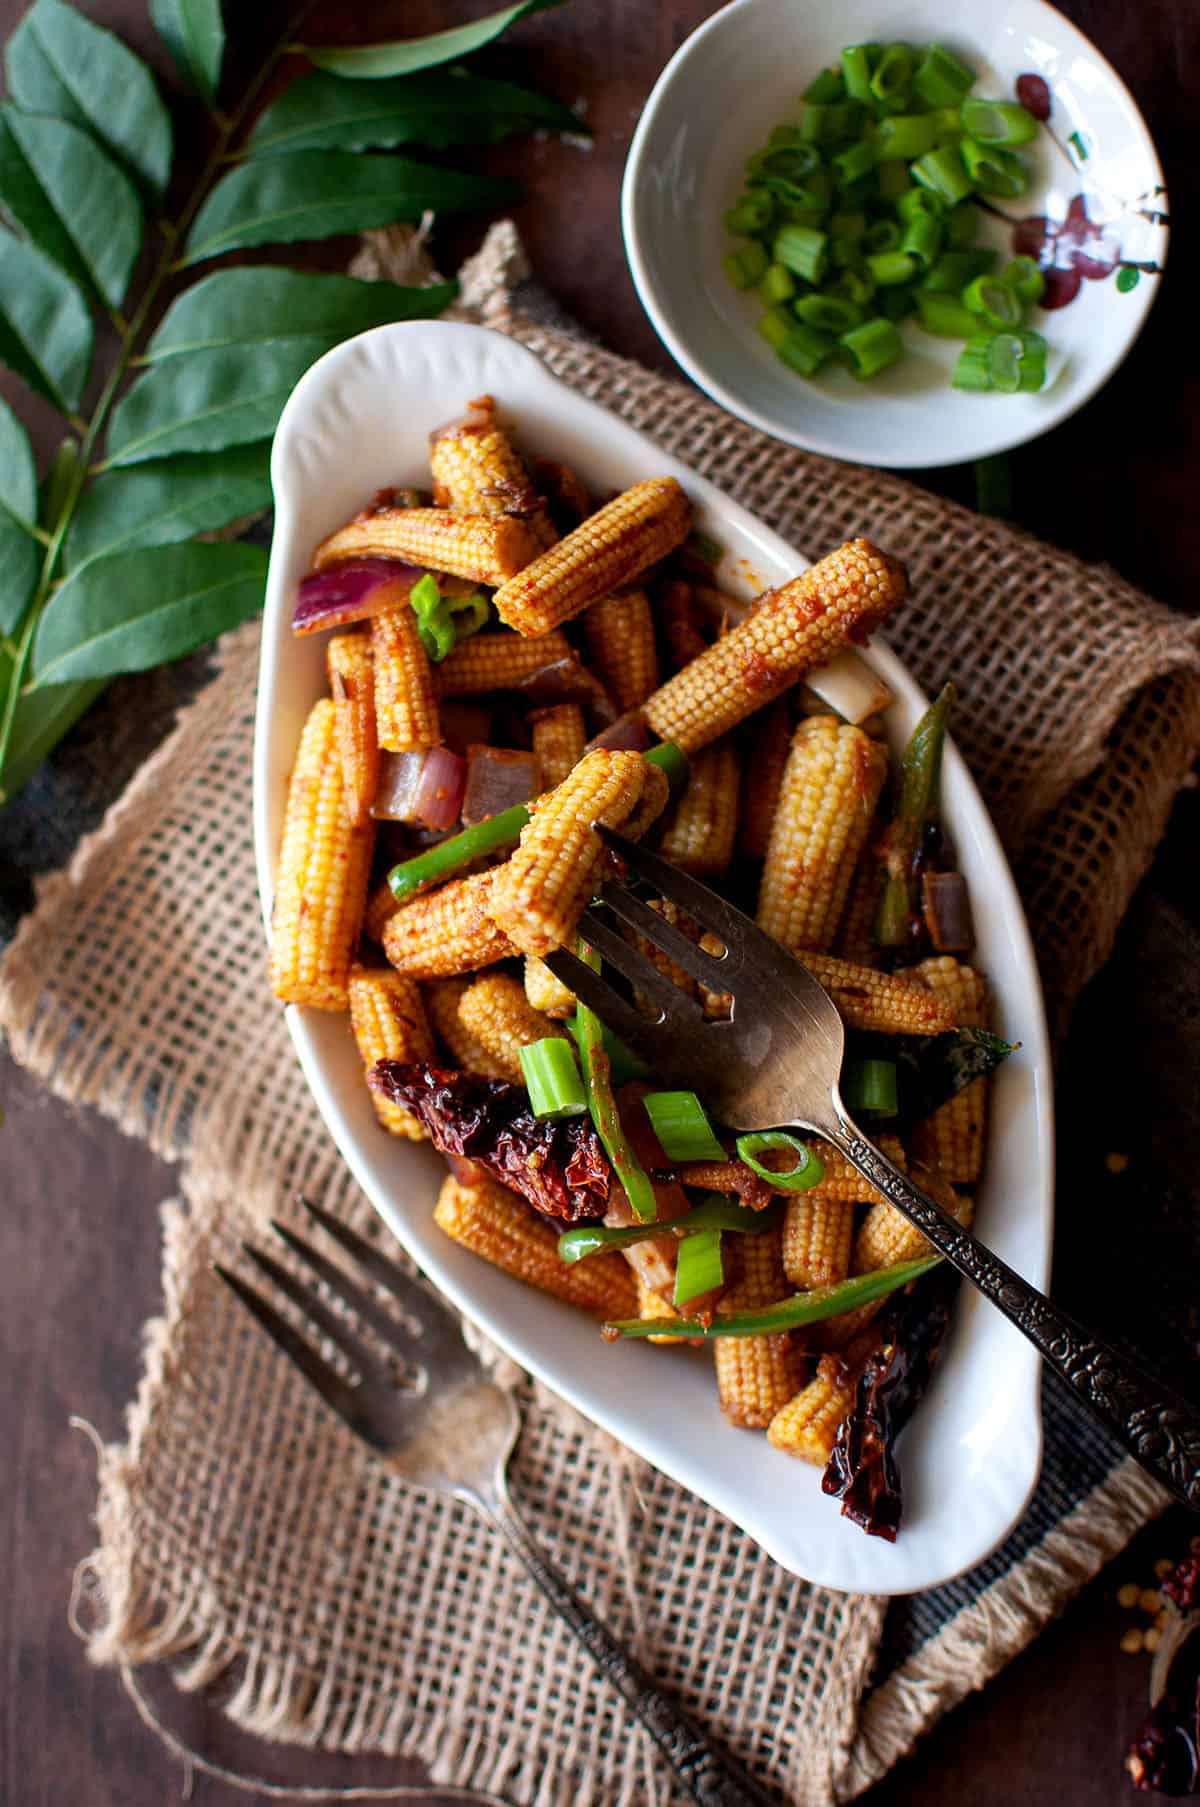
{"points": [[100, 572]]}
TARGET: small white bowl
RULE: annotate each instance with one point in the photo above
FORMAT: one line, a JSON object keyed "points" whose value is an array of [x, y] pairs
{"points": [[741, 74], [360, 420]]}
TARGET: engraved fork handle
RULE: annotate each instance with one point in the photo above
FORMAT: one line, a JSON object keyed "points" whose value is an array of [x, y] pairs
{"points": [[711, 1777], [1157, 1427]]}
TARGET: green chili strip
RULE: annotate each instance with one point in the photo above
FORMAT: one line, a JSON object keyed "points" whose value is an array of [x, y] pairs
{"points": [[552, 1078], [920, 773], [790, 1314], [714, 1212], [698, 1266], [807, 1169], [497, 831], [597, 1079], [683, 1130]]}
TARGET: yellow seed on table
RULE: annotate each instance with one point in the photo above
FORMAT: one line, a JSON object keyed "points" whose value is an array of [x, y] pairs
{"points": [[406, 711], [324, 866], [1151, 1639], [487, 550], [1132, 1642], [827, 798], [1150, 1600], [478, 471], [1129, 1594], [540, 892], [448, 931], [559, 739], [494, 1223], [604, 553], [389, 1023], [619, 634], [846, 596], [1163, 1567]]}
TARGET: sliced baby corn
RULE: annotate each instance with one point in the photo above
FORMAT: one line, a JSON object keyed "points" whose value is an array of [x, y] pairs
{"points": [[389, 1023], [406, 711], [831, 784], [494, 1223], [497, 661], [324, 865], [546, 993], [485, 549], [618, 632], [807, 1425], [351, 669], [952, 1138], [495, 1010], [478, 471], [700, 830], [559, 738], [884, 1003], [447, 931], [605, 552], [766, 744], [540, 893], [756, 1375], [443, 998], [846, 596]]}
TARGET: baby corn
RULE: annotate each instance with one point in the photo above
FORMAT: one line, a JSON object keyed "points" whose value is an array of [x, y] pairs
{"points": [[818, 1228], [352, 680], [447, 931], [699, 832], [847, 595], [486, 549], [831, 784], [559, 738], [406, 711], [493, 1222], [381, 907], [952, 1138], [324, 865], [478, 471], [606, 551], [444, 999], [884, 1003], [681, 628], [652, 1304], [756, 1375], [807, 1425], [619, 634], [389, 1023], [885, 1238], [855, 939], [497, 662], [764, 755], [497, 1013], [544, 992], [539, 893]]}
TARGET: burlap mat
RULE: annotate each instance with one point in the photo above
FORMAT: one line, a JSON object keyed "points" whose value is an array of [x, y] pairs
{"points": [[243, 1534]]}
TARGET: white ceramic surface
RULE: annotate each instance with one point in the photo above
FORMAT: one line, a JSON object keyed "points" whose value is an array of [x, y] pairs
{"points": [[741, 73], [359, 420]]}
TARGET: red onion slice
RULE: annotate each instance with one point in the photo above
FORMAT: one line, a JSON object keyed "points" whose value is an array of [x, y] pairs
{"points": [[628, 734], [439, 794], [946, 907], [353, 591], [396, 791], [498, 777]]}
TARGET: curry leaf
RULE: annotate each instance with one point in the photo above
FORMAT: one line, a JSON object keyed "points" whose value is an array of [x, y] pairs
{"points": [[369, 61], [193, 32], [133, 610], [168, 499], [239, 307], [445, 107], [315, 194], [59, 63], [74, 202], [42, 718], [46, 331], [211, 399], [19, 555]]}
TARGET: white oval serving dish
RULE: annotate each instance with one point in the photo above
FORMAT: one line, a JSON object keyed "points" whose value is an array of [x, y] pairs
{"points": [[742, 72], [359, 420]]}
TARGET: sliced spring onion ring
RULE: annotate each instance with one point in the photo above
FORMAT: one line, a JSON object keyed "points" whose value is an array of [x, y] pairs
{"points": [[808, 1169]]}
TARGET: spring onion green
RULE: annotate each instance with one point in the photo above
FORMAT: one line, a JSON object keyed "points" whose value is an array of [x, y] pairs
{"points": [[998, 122], [683, 1130], [872, 346], [941, 79], [698, 1266], [805, 350], [442, 621], [714, 1212], [920, 776], [945, 315], [606, 1119], [995, 302], [992, 172], [789, 1314], [552, 1078], [807, 1169], [1025, 279], [870, 1086]]}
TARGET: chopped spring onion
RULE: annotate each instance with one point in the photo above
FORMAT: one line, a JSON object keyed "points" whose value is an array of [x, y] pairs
{"points": [[881, 235], [775, 326], [807, 1169], [753, 213], [501, 830], [953, 270], [941, 79], [606, 1119], [993, 172], [897, 303], [830, 124], [698, 1266], [919, 204], [993, 301], [872, 346], [802, 250], [778, 284], [889, 268], [998, 122], [922, 240], [805, 350], [1024, 278], [870, 1086], [1007, 362], [855, 162], [856, 71], [892, 178], [946, 316], [683, 1130], [828, 313], [789, 1314], [893, 75], [825, 88], [745, 267], [906, 135], [552, 1078], [944, 174], [714, 1212]]}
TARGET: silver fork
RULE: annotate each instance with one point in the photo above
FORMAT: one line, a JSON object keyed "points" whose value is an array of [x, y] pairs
{"points": [[775, 1064], [442, 1423]]}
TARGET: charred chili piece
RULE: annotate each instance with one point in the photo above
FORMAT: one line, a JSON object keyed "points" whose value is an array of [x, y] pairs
{"points": [[862, 1470], [558, 1166]]}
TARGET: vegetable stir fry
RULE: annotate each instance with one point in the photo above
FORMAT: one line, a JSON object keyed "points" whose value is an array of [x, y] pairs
{"points": [[510, 668]]}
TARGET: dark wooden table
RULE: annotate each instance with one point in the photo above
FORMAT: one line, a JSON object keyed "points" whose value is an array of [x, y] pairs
{"points": [[79, 1254]]}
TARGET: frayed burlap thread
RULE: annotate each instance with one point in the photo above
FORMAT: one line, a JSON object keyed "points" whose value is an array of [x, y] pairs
{"points": [[242, 1533]]}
